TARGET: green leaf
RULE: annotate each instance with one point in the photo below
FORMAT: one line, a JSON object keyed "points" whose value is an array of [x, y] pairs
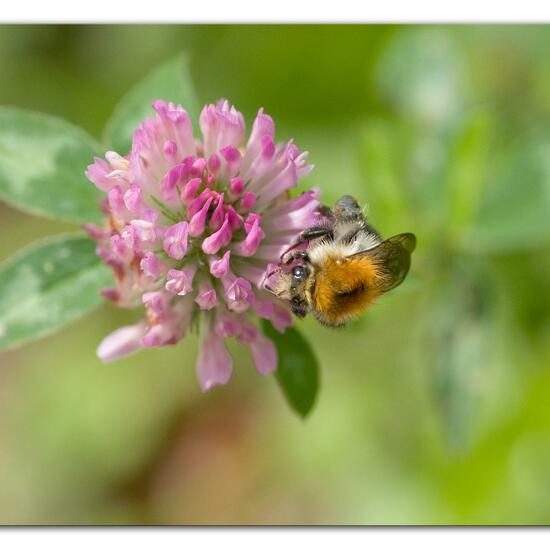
{"points": [[422, 73], [42, 164], [47, 285], [461, 325], [171, 82], [298, 370]]}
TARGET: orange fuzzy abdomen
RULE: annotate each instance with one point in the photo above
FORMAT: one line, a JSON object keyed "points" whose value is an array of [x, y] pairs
{"points": [[344, 288]]}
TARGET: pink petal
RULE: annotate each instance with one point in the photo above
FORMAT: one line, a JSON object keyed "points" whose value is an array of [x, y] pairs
{"points": [[218, 215], [110, 294], [98, 173], [206, 297], [174, 123], [236, 186], [122, 341], [262, 307], [235, 220], [281, 318], [231, 164], [116, 202], [221, 126], [157, 305], [264, 354], [198, 221], [162, 334], [285, 180], [296, 203], [120, 249], [220, 238], [214, 364], [214, 165], [173, 178], [196, 204], [228, 324], [151, 265], [237, 293], [94, 231], [175, 240], [190, 190], [250, 244], [132, 199], [180, 282], [220, 267], [261, 128], [247, 201], [170, 150], [297, 219]]}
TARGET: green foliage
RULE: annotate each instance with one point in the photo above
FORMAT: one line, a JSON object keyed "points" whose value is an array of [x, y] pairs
{"points": [[47, 285], [171, 81], [297, 371], [461, 337], [514, 211], [468, 167], [42, 164]]}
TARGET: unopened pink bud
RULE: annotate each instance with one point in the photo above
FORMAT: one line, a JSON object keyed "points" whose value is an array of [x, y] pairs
{"points": [[196, 204], [236, 186], [170, 149], [198, 221], [190, 189], [267, 147], [247, 201], [235, 220], [250, 244], [220, 238], [218, 215], [214, 165], [230, 154], [198, 167]]}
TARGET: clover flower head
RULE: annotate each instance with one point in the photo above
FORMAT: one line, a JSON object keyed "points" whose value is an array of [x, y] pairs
{"points": [[194, 226]]}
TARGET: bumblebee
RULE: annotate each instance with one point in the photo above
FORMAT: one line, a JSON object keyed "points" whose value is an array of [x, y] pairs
{"points": [[337, 269]]}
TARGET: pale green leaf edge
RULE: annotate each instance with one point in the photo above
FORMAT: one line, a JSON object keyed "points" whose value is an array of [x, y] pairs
{"points": [[8, 262], [63, 124]]}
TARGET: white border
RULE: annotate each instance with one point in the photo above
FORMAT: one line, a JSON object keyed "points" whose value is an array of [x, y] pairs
{"points": [[275, 538], [250, 11]]}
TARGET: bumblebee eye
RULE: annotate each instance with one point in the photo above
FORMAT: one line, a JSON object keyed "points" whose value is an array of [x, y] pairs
{"points": [[298, 273]]}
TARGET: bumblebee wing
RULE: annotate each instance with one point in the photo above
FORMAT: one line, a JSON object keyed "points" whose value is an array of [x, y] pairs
{"points": [[393, 258]]}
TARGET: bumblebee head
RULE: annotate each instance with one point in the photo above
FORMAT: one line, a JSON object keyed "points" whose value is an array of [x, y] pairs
{"points": [[293, 285], [299, 276]]}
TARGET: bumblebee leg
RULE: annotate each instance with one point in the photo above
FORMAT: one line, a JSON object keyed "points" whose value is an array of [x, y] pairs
{"points": [[315, 232]]}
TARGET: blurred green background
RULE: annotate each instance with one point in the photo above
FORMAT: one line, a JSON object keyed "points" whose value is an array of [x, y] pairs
{"points": [[434, 406]]}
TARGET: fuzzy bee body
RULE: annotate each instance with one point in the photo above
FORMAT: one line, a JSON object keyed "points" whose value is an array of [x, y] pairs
{"points": [[338, 269]]}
